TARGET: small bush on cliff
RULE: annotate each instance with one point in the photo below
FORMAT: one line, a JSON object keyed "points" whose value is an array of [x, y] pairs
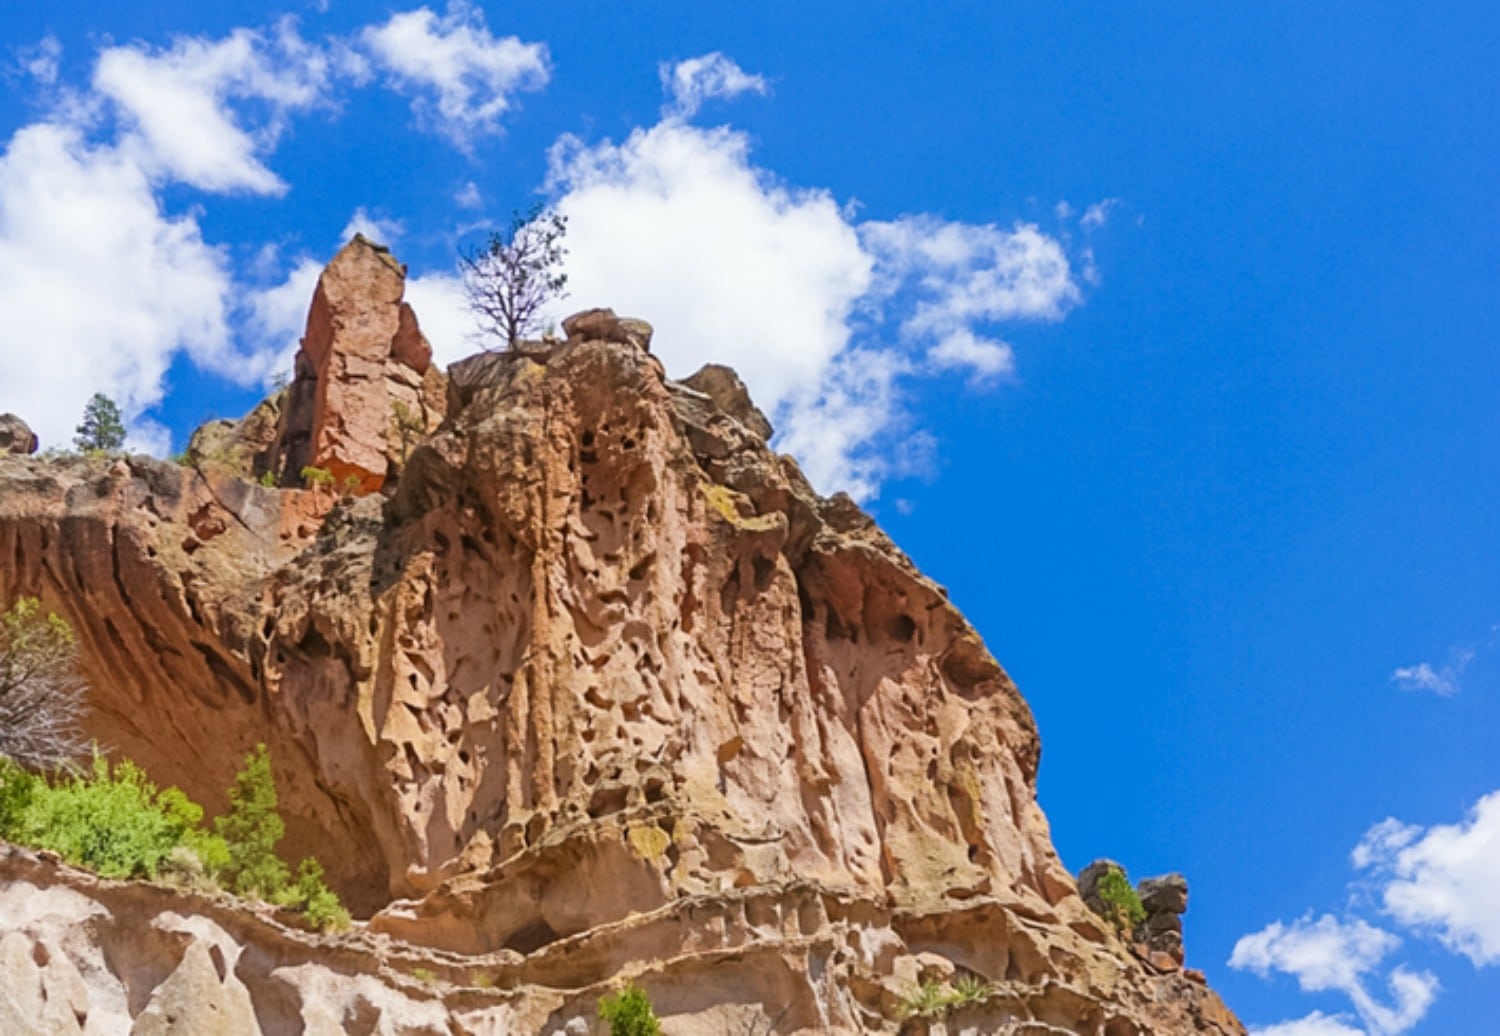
{"points": [[1121, 900], [317, 478], [41, 691], [629, 1013]]}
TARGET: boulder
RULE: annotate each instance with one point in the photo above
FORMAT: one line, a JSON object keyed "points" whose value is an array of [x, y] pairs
{"points": [[16, 435]]}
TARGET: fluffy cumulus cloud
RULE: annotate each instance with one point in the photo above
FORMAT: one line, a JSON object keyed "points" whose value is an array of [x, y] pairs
{"points": [[689, 83], [104, 287], [176, 104], [100, 288], [1436, 881], [1332, 955], [824, 316], [828, 318], [1444, 879], [461, 77]]}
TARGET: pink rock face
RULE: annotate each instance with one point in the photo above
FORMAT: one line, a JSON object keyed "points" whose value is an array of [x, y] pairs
{"points": [[363, 370], [599, 689]]}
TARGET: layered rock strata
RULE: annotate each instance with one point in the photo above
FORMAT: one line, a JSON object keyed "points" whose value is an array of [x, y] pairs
{"points": [[597, 689]]}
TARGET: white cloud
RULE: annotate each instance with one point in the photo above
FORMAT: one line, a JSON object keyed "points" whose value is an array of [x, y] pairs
{"points": [[1445, 878], [41, 60], [443, 312], [1332, 955], [175, 103], [468, 196], [381, 231], [1442, 681], [985, 359], [276, 318], [964, 273], [689, 83], [677, 225], [1097, 214], [463, 78], [1315, 1024], [99, 287]]}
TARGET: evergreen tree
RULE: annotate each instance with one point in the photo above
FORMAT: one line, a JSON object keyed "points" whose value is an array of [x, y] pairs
{"points": [[103, 429], [251, 829]]}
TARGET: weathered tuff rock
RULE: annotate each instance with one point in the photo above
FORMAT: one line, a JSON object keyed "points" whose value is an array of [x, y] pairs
{"points": [[599, 689], [16, 435], [1158, 938], [364, 388]]}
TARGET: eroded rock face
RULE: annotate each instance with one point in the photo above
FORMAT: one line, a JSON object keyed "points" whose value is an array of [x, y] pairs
{"points": [[364, 389], [599, 689], [16, 435]]}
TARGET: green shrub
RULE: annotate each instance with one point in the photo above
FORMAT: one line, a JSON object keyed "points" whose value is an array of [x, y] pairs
{"points": [[1124, 906], [629, 1013], [17, 787], [317, 478], [268, 479], [251, 829], [114, 822], [318, 903]]}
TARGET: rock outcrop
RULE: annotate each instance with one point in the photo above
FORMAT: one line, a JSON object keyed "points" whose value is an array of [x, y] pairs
{"points": [[16, 435], [597, 689]]}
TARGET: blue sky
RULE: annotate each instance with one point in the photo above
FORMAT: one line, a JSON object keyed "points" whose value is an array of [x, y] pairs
{"points": [[1163, 335]]}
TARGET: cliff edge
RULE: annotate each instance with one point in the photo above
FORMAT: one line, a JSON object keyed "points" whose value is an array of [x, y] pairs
{"points": [[569, 679]]}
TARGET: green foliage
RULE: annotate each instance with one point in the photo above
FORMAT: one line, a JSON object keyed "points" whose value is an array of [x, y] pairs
{"points": [[515, 274], [41, 691], [424, 975], [407, 427], [970, 989], [929, 1001], [102, 429], [1120, 900], [113, 821], [17, 788], [933, 1000], [251, 829], [316, 900], [317, 478], [268, 479], [629, 1013]]}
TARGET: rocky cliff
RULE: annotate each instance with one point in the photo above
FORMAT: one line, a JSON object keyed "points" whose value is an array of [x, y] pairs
{"points": [[569, 679]]}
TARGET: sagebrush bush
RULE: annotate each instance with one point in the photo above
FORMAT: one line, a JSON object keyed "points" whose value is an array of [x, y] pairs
{"points": [[629, 1013]]}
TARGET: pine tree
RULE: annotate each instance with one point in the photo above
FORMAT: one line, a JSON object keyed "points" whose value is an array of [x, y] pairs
{"points": [[251, 829], [103, 429]]}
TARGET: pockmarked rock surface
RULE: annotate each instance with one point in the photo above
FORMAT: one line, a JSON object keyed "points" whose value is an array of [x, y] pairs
{"points": [[595, 689]]}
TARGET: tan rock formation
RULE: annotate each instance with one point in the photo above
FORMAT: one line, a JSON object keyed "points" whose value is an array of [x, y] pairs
{"points": [[602, 690], [364, 388], [16, 435]]}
